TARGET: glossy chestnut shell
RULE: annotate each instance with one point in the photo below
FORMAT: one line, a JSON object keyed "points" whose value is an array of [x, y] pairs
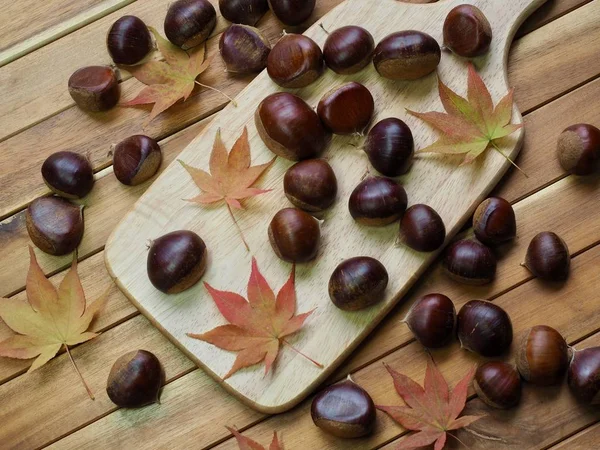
{"points": [[467, 32], [292, 12], [494, 221], [136, 159], [543, 356], [548, 257], [579, 149], [584, 375], [246, 12], [189, 22], [295, 61], [348, 50], [135, 379], [128, 41], [377, 201], [422, 229], [346, 109], [390, 147], [294, 235], [358, 283], [432, 319], [310, 185], [484, 328], [470, 262], [244, 49], [68, 174], [498, 384], [95, 88]]}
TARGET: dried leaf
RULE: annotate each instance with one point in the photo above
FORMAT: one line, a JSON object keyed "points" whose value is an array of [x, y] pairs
{"points": [[245, 443], [469, 125], [51, 319], [257, 327], [431, 410], [231, 175]]}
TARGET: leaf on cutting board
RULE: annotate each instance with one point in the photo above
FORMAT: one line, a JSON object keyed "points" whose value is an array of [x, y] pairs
{"points": [[51, 318], [245, 443], [171, 80], [431, 410], [257, 327], [231, 176], [469, 125]]}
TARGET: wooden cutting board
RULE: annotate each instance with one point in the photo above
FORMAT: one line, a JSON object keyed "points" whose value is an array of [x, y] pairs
{"points": [[330, 334]]}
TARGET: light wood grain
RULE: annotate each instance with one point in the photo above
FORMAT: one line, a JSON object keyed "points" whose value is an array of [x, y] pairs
{"points": [[584, 440]]}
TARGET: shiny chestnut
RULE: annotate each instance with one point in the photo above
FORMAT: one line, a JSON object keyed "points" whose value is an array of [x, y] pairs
{"points": [[189, 22], [498, 384], [494, 221], [377, 201], [579, 149], [470, 262], [246, 12], [68, 174], [358, 283], [292, 12], [484, 328], [310, 185], [543, 356], [244, 49], [467, 32], [390, 147], [294, 235], [348, 50], [95, 88], [128, 41], [548, 257], [346, 109], [422, 229], [295, 61], [135, 379], [136, 159], [584, 375], [432, 319]]}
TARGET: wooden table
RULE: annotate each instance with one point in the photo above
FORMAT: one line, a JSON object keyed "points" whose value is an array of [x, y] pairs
{"points": [[554, 66]]}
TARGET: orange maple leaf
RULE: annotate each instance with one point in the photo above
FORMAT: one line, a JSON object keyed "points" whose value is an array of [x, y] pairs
{"points": [[472, 124], [231, 176], [51, 318], [432, 410], [258, 326], [245, 443]]}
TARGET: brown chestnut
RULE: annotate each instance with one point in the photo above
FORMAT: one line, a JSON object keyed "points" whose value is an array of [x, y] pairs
{"points": [[467, 32], [246, 12], [346, 109], [294, 235], [358, 283], [94, 88], [484, 328], [135, 379], [290, 128], [348, 50], [310, 185], [292, 12], [494, 221], [390, 147], [176, 261], [422, 229], [189, 22], [344, 410], [498, 384], [584, 375], [543, 356], [68, 174], [432, 319], [548, 257], [579, 149], [128, 41], [470, 262], [295, 61], [377, 201], [406, 55], [136, 159], [55, 225], [244, 49]]}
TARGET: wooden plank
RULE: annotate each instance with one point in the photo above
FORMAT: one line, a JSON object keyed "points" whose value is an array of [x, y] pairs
{"points": [[584, 440], [548, 12], [34, 24]]}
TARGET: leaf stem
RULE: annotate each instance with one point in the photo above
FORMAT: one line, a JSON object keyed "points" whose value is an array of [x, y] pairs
{"points": [[484, 436], [87, 388], [238, 227], [456, 437], [319, 365], [510, 160], [233, 102]]}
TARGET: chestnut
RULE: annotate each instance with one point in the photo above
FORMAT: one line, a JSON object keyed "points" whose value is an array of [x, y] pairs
{"points": [[176, 261], [348, 50], [244, 49], [310, 185], [128, 41], [136, 159], [494, 221], [543, 356], [390, 147], [470, 262], [377, 201], [95, 88], [467, 32], [189, 22], [295, 61], [432, 319], [579, 149], [344, 410], [292, 12], [135, 379], [548, 257], [358, 283], [498, 384], [406, 55], [346, 109], [484, 328], [246, 12], [290, 128], [68, 174], [584, 375], [422, 229], [294, 235]]}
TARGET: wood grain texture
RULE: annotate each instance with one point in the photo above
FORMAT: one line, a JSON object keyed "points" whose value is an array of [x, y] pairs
{"points": [[585, 439], [433, 181]]}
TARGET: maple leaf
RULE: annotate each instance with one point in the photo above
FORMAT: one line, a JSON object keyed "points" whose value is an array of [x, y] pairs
{"points": [[469, 125], [230, 178], [170, 81], [432, 410], [51, 318], [258, 326], [245, 443]]}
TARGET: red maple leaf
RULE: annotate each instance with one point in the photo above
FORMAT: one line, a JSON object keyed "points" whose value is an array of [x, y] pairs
{"points": [[245, 443]]}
